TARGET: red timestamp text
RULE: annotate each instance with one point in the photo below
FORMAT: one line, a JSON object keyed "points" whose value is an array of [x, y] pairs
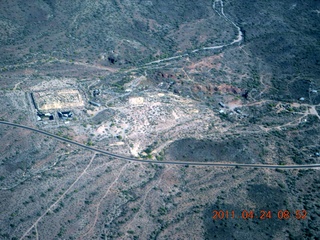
{"points": [[261, 215]]}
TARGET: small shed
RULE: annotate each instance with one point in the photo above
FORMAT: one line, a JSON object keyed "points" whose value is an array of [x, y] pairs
{"points": [[95, 103]]}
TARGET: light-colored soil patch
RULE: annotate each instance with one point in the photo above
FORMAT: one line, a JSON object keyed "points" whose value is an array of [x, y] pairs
{"points": [[136, 100], [234, 104], [59, 99], [117, 144]]}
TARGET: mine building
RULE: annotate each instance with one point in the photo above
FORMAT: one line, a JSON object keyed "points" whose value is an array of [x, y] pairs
{"points": [[237, 110], [65, 115], [96, 92], [34, 101], [222, 104], [41, 116], [95, 103]]}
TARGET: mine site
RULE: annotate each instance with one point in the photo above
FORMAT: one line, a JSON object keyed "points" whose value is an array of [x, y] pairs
{"points": [[159, 120]]}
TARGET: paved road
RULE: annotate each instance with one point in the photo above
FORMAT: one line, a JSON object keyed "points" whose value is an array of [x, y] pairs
{"points": [[307, 166]]}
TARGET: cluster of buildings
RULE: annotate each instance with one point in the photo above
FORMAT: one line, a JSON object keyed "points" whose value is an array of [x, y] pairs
{"points": [[41, 116], [65, 115]]}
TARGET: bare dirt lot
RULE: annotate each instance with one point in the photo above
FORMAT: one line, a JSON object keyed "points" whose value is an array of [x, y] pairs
{"points": [[58, 99]]}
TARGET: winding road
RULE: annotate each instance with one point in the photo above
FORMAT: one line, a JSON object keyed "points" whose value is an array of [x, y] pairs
{"points": [[303, 166], [217, 6]]}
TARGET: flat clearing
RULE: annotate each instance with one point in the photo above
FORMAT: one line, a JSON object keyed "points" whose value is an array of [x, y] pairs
{"points": [[59, 99]]}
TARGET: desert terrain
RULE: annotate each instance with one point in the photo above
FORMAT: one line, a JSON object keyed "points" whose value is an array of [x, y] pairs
{"points": [[160, 87]]}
